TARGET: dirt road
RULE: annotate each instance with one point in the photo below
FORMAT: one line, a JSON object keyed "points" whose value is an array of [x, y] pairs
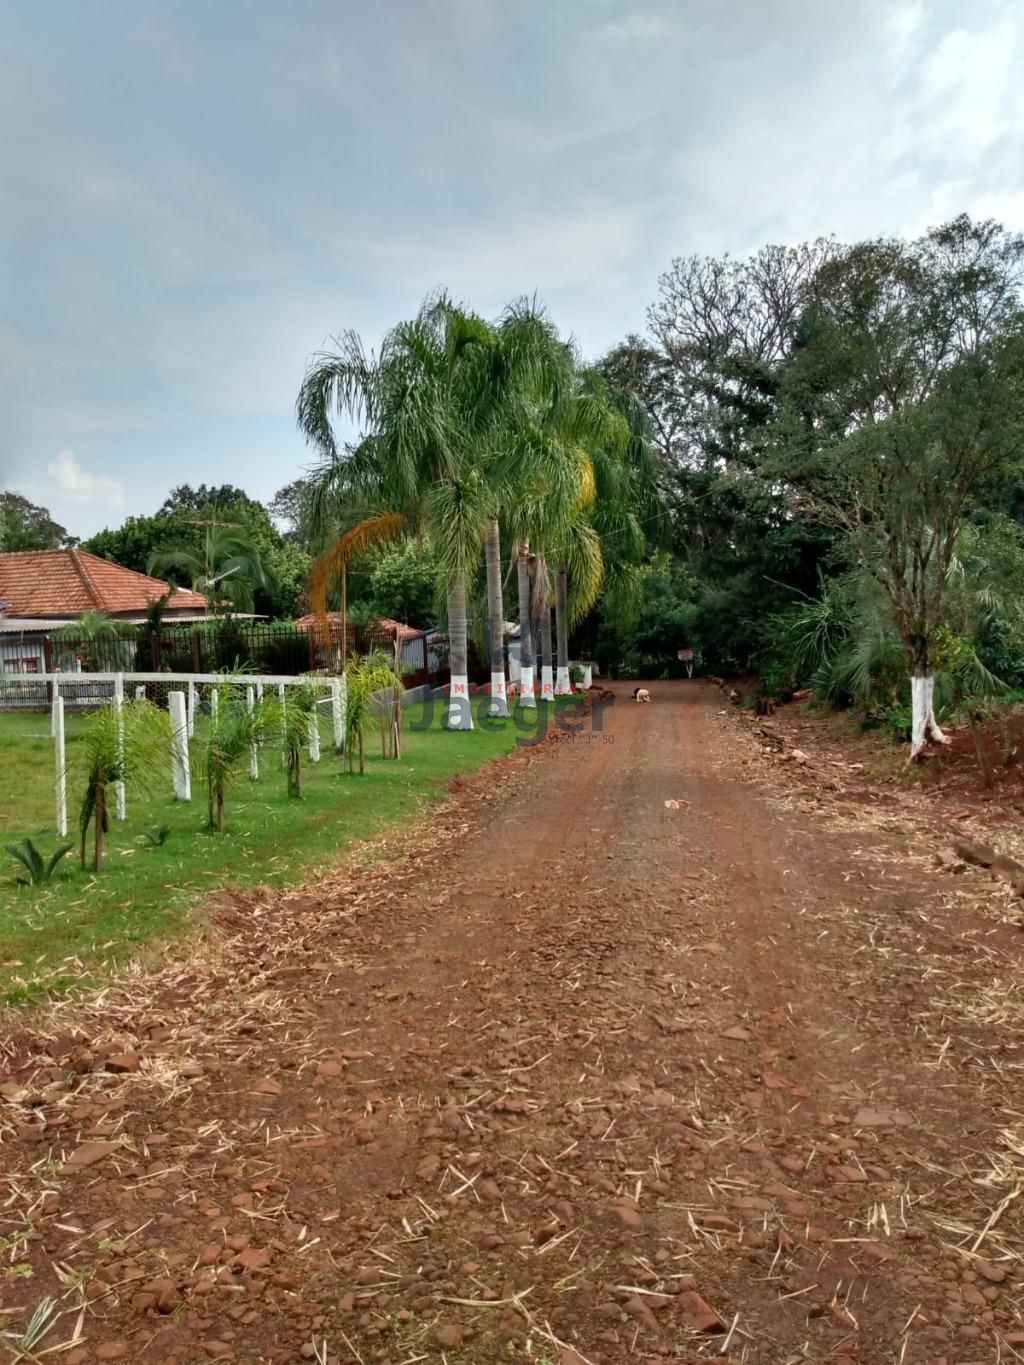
{"points": [[575, 1076]]}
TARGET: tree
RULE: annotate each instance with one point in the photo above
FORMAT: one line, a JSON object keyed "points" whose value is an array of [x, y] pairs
{"points": [[903, 397], [226, 567], [403, 583], [428, 400], [180, 524], [26, 526], [130, 746], [235, 728], [369, 677], [105, 643]]}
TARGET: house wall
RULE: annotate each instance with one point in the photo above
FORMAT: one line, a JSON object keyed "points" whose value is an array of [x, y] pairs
{"points": [[22, 654]]}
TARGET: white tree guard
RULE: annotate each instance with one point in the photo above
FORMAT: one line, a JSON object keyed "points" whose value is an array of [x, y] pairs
{"points": [[181, 773], [563, 683], [547, 682], [460, 712], [527, 694], [923, 725], [588, 674], [57, 719], [499, 695]]}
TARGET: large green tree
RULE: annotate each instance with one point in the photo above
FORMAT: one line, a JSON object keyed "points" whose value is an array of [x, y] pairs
{"points": [[180, 523], [24, 525], [902, 400]]}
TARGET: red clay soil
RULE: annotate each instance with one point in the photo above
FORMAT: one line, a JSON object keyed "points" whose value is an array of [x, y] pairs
{"points": [[653, 1045]]}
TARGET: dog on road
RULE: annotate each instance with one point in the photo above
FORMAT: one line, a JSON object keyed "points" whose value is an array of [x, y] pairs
{"points": [[641, 694]]}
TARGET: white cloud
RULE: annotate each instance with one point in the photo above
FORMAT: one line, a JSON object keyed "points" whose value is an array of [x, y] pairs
{"points": [[71, 481]]}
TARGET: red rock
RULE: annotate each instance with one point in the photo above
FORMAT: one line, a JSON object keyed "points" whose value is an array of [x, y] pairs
{"points": [[429, 1168], [112, 1350], [699, 1314], [329, 1069], [628, 1214], [88, 1155], [252, 1259], [638, 1309], [448, 1336], [266, 1085], [218, 1350], [851, 1175], [737, 1034], [122, 1062]]}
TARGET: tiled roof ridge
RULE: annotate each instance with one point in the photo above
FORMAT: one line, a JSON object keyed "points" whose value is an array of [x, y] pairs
{"points": [[83, 573]]}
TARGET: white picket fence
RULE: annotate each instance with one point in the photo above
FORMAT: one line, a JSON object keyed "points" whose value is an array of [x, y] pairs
{"points": [[183, 698]]}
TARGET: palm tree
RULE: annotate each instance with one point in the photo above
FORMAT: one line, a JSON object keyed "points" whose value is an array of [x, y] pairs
{"points": [[371, 677], [431, 400], [120, 746], [225, 566], [95, 637], [237, 724]]}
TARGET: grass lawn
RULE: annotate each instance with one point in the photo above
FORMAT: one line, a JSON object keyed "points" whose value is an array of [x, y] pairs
{"points": [[143, 892]]}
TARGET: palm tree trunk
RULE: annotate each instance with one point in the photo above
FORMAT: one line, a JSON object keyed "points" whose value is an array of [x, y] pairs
{"points": [[562, 684], [496, 622], [527, 695], [220, 810], [100, 824], [460, 715], [547, 682], [344, 617]]}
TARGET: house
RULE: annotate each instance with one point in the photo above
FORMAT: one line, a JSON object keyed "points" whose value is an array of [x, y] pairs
{"points": [[423, 654], [42, 591]]}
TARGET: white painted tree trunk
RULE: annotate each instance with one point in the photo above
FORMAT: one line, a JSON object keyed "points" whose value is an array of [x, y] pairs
{"points": [[563, 686], [923, 725], [588, 675], [547, 682], [496, 621], [499, 695], [62, 772], [460, 713], [527, 687], [180, 771]]}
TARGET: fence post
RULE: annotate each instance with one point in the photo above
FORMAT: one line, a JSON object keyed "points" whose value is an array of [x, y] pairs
{"points": [[338, 714], [62, 775], [53, 712], [191, 709], [254, 748], [119, 717], [314, 732], [284, 722], [180, 771]]}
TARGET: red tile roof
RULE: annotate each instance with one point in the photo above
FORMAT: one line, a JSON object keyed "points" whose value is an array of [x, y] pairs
{"points": [[65, 583], [382, 625]]}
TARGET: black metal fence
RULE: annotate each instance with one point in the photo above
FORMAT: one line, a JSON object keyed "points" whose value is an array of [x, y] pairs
{"points": [[245, 646]]}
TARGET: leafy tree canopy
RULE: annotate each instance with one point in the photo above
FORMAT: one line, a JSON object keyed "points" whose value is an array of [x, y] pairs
{"points": [[26, 526]]}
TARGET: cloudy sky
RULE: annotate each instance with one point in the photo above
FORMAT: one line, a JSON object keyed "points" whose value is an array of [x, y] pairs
{"points": [[194, 195]]}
